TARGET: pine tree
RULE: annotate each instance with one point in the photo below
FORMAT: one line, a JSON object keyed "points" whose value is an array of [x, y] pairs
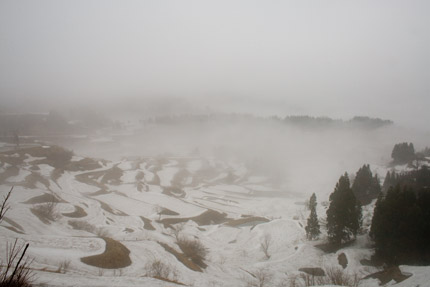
{"points": [[312, 228], [403, 153], [344, 213], [366, 187]]}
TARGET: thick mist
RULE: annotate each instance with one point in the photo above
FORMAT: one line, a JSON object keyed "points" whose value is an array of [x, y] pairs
{"points": [[130, 62], [299, 159], [336, 58]]}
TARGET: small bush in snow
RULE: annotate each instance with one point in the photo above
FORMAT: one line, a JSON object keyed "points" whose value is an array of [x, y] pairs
{"points": [[194, 250], [158, 269], [46, 211]]}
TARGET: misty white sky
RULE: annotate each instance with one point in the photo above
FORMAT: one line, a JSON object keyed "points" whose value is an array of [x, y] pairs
{"points": [[335, 58]]}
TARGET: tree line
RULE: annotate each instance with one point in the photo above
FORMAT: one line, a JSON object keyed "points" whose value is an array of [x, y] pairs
{"points": [[400, 227]]}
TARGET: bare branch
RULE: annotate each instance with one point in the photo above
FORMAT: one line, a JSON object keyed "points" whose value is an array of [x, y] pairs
{"points": [[5, 206]]}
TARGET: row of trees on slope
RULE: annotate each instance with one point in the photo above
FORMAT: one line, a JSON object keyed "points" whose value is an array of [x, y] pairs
{"points": [[343, 215], [401, 220], [404, 153], [400, 225]]}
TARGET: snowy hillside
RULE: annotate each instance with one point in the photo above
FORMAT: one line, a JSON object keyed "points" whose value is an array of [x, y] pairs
{"points": [[133, 211]]}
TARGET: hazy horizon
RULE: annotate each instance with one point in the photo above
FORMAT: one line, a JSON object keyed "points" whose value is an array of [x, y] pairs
{"points": [[333, 58]]}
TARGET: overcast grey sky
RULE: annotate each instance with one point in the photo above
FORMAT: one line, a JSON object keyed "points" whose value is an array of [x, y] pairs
{"points": [[335, 58]]}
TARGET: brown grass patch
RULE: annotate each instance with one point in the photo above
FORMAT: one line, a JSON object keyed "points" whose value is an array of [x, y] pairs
{"points": [[182, 258], [78, 213], [116, 255]]}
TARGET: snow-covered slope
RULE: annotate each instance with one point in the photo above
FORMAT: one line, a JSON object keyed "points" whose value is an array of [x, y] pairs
{"points": [[139, 202]]}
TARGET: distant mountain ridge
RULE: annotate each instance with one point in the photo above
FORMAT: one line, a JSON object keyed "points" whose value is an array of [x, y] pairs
{"points": [[304, 121]]}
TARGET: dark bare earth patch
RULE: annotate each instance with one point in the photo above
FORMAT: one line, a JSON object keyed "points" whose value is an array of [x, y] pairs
{"points": [[112, 176], [246, 221], [116, 255], [78, 213], [181, 257], [313, 271], [372, 262], [9, 172], [83, 165], [8, 157], [331, 248], [32, 179], [99, 192], [166, 211], [181, 177], [206, 218], [174, 191], [107, 208], [39, 212], [168, 280], [147, 223], [392, 273], [343, 261], [46, 197], [91, 178]]}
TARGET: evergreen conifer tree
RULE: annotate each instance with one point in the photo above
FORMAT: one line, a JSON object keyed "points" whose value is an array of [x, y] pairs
{"points": [[366, 187], [343, 214], [403, 153], [312, 228]]}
